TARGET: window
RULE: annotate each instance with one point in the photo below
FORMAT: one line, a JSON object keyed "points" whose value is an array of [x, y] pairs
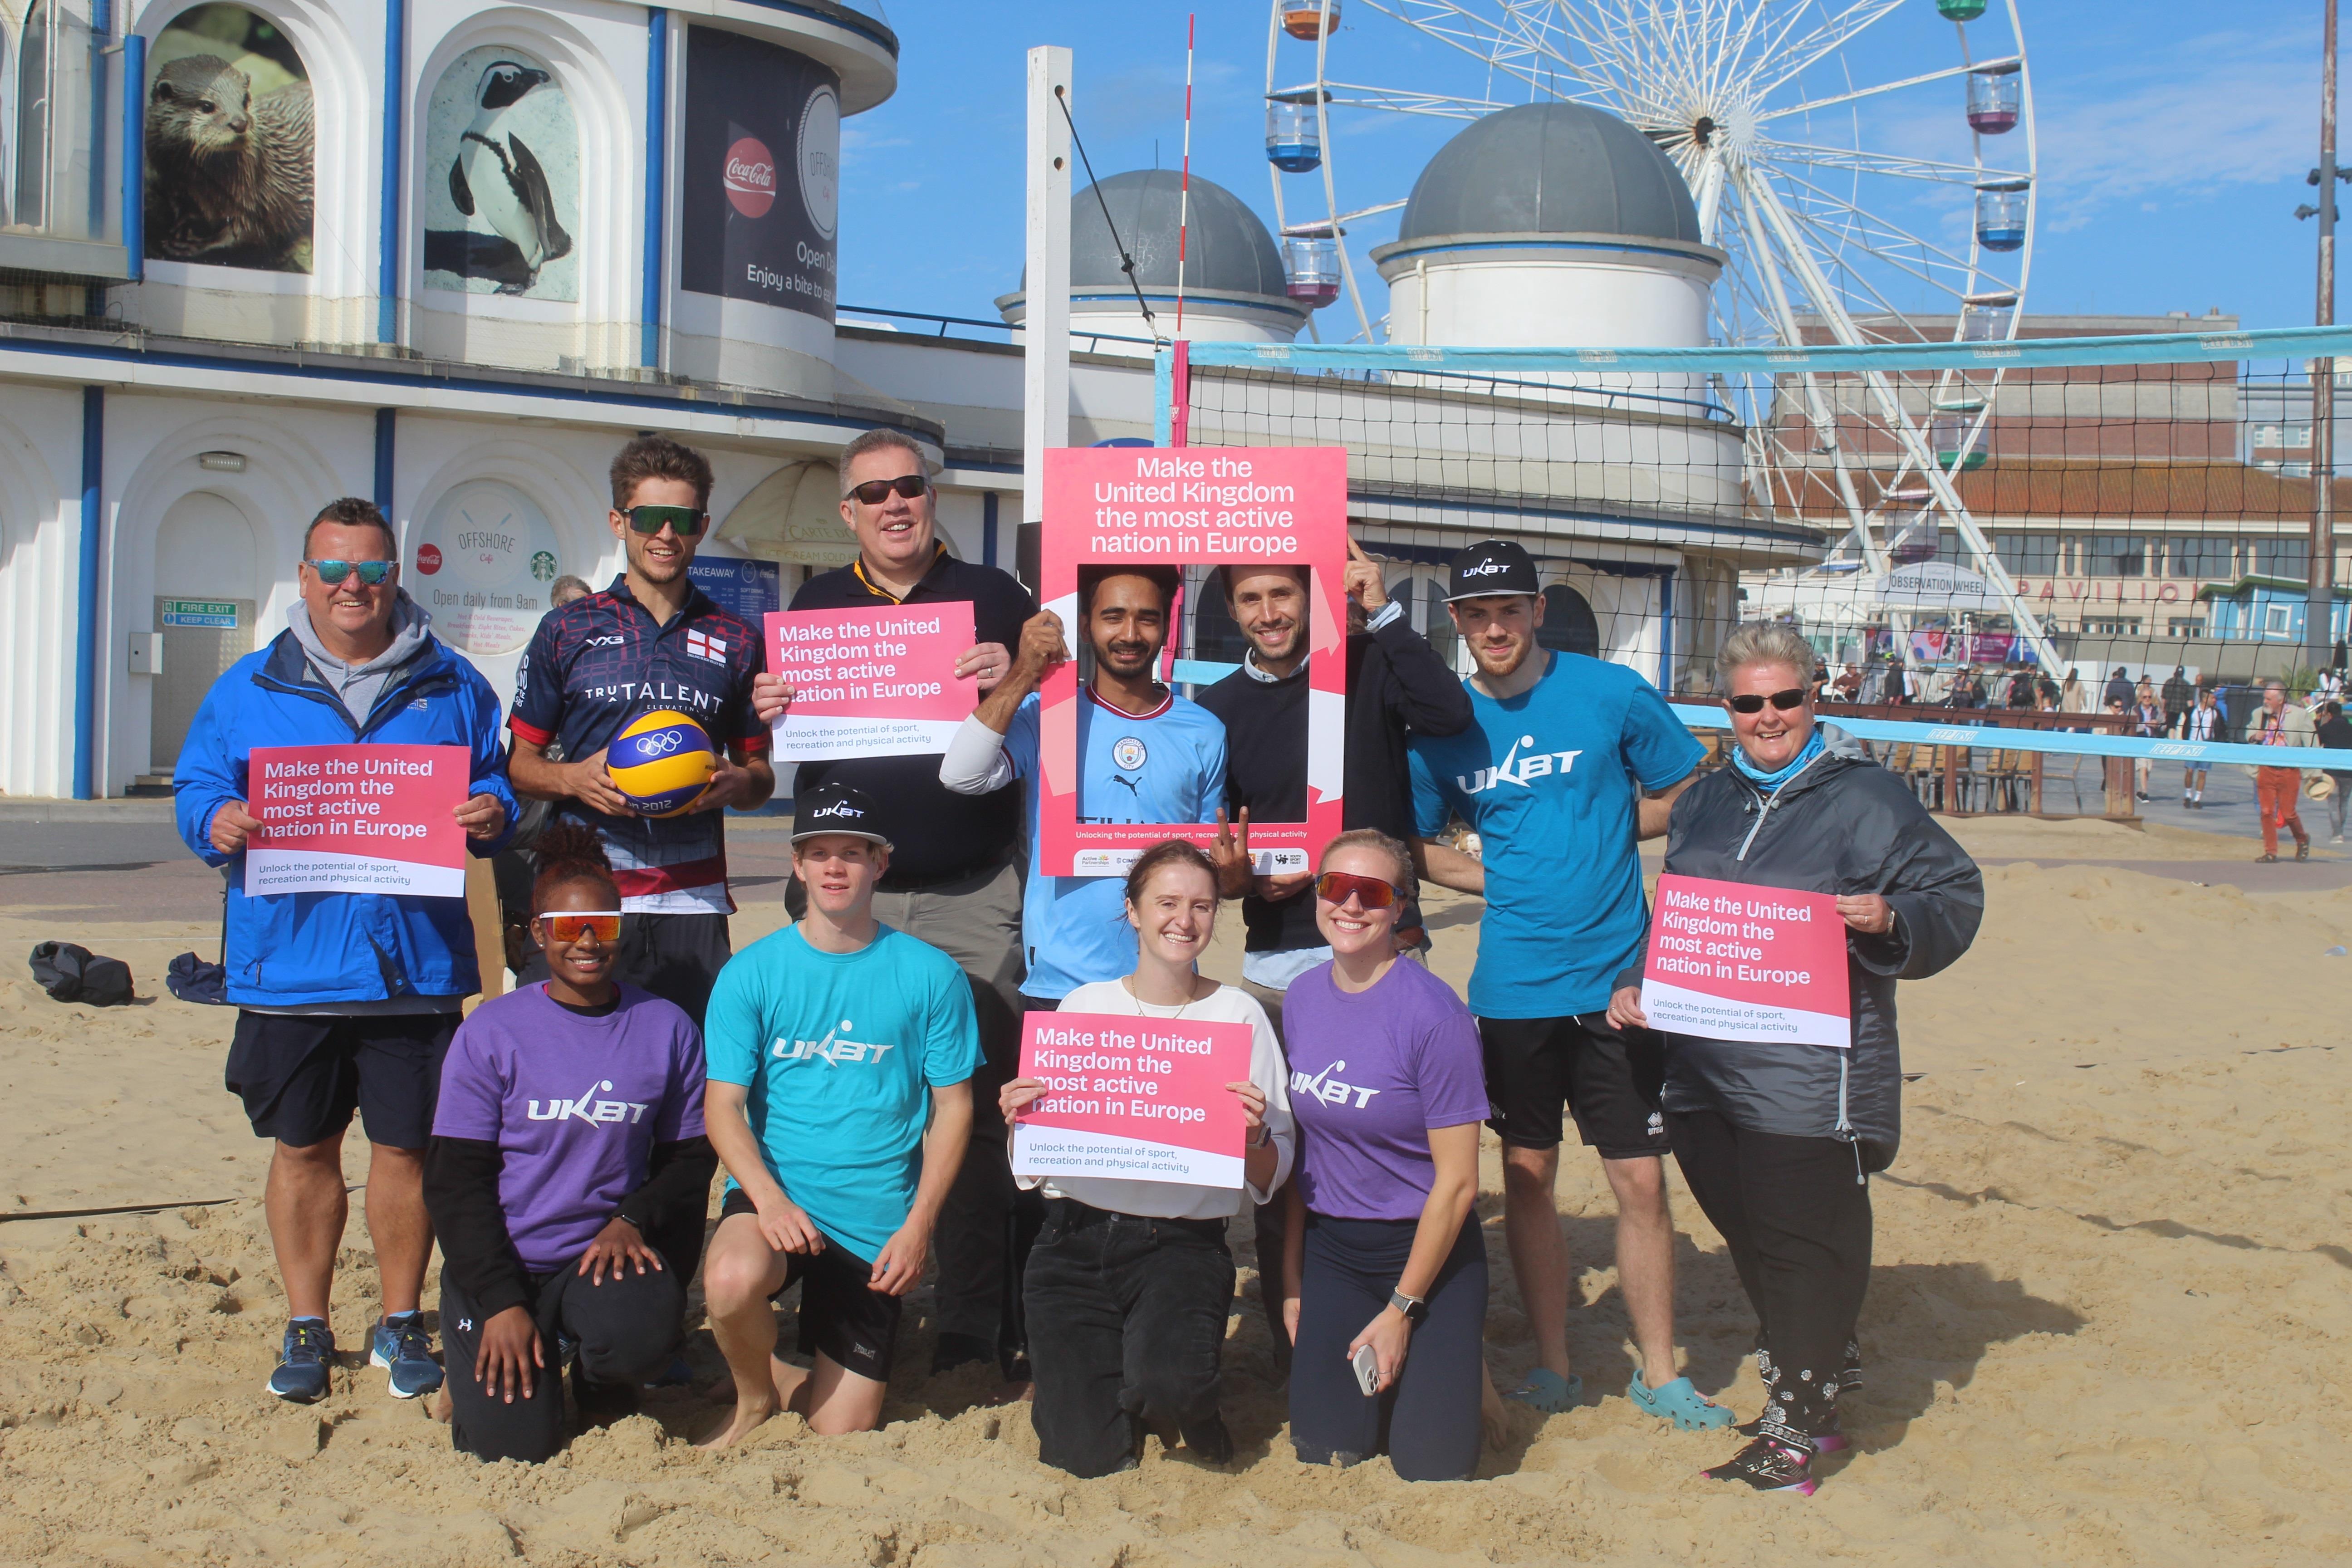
{"points": [[1568, 626], [1216, 638], [2114, 555], [2286, 558], [2298, 435], [2028, 554], [2266, 434], [2277, 620], [2185, 626], [2206, 555], [2128, 628]]}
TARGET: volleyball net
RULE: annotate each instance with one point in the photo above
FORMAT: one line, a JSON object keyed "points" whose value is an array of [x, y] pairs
{"points": [[2005, 532]]}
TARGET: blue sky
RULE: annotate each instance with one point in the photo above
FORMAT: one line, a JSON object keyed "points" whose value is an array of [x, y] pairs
{"points": [[2173, 140]]}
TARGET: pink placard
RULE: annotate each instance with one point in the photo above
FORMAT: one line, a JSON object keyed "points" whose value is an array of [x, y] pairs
{"points": [[871, 683], [357, 819], [1132, 1099], [1731, 962], [1179, 506]]}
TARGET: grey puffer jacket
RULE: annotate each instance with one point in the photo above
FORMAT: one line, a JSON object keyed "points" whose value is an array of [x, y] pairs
{"points": [[1844, 825]]}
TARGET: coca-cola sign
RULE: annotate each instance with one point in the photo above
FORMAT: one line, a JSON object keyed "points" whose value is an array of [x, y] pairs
{"points": [[750, 177], [766, 123], [428, 559]]}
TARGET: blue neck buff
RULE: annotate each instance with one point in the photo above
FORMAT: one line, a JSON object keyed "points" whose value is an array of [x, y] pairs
{"points": [[1815, 746]]}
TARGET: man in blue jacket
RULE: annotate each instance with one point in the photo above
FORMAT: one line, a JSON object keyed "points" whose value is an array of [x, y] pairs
{"points": [[346, 1001]]}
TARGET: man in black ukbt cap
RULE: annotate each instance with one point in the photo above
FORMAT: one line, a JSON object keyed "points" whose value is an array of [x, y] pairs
{"points": [[1553, 772]]}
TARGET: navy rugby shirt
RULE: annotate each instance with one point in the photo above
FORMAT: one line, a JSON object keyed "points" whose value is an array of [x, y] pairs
{"points": [[599, 662]]}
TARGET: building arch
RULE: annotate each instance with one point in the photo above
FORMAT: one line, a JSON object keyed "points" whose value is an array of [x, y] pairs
{"points": [[1568, 624]]}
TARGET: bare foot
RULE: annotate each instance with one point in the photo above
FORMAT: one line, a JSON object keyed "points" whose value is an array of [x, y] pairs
{"points": [[1492, 1417], [748, 1415], [442, 1405]]}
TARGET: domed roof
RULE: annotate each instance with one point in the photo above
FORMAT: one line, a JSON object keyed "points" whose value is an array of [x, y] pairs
{"points": [[1550, 168], [1226, 248]]}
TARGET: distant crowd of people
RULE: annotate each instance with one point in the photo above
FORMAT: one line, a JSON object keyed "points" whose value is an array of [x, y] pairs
{"points": [[856, 1074]]}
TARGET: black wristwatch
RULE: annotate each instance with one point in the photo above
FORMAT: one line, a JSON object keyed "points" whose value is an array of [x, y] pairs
{"points": [[1415, 1308]]}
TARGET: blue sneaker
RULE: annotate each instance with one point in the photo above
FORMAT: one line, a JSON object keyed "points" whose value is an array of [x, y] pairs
{"points": [[400, 1345], [303, 1362]]}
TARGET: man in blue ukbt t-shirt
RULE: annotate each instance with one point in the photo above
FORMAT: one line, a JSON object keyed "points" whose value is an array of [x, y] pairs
{"points": [[1567, 760], [1145, 754], [841, 1054]]}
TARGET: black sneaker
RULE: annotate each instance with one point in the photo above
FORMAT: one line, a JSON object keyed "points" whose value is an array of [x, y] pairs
{"points": [[1768, 1464], [304, 1362]]}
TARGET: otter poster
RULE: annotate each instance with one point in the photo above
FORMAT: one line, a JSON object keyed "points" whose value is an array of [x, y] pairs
{"points": [[501, 178], [761, 160], [229, 160]]}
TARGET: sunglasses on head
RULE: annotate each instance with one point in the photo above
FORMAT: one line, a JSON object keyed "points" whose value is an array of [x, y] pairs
{"points": [[1334, 887], [686, 521], [371, 573], [874, 492], [563, 929], [1749, 702]]}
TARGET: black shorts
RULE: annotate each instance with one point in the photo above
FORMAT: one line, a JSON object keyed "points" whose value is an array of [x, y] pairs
{"points": [[1607, 1079], [842, 1317], [301, 1077], [677, 957]]}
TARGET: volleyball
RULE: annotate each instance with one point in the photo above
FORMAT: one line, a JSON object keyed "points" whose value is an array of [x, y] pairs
{"points": [[661, 761]]}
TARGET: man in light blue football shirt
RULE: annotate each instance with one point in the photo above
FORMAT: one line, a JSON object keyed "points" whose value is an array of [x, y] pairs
{"points": [[1553, 774], [1145, 754]]}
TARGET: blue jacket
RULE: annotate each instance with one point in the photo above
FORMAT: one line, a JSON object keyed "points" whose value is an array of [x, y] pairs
{"points": [[291, 949]]}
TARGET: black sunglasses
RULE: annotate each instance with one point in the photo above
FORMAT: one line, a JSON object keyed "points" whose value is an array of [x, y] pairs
{"points": [[874, 492], [371, 573], [686, 521], [1749, 702]]}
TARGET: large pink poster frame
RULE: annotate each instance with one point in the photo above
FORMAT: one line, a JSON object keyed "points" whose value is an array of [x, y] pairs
{"points": [[1186, 505]]}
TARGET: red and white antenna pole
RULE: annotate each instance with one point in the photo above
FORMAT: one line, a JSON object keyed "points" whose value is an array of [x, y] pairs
{"points": [[1184, 181]]}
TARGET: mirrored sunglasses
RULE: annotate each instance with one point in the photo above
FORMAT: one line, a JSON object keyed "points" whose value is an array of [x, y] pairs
{"points": [[874, 492], [371, 573], [1334, 887], [563, 929], [686, 521], [1750, 702]]}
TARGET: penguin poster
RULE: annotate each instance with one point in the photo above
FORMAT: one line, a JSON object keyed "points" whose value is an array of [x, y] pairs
{"points": [[229, 143], [759, 195], [501, 178]]}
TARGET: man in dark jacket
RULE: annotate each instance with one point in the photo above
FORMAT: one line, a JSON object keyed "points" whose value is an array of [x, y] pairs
{"points": [[1397, 688], [2336, 734], [346, 1001], [2119, 689]]}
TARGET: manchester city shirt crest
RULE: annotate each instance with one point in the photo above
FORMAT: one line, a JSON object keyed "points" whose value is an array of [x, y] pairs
{"points": [[1128, 754]]}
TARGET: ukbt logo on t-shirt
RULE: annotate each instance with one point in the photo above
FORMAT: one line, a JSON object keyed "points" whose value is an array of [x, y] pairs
{"points": [[1522, 770], [589, 1109], [832, 1050], [1327, 1087]]}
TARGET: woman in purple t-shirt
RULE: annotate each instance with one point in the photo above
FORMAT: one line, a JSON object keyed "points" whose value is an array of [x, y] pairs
{"points": [[567, 1178], [1382, 1251]]}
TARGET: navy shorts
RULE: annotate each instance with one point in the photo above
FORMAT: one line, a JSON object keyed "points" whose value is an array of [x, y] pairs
{"points": [[301, 1076], [1609, 1079]]}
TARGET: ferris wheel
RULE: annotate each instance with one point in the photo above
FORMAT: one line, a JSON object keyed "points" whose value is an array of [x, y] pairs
{"points": [[1866, 166]]}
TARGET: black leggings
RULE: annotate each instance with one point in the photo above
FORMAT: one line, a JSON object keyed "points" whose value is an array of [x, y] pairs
{"points": [[1796, 1215], [1426, 1421], [627, 1328]]}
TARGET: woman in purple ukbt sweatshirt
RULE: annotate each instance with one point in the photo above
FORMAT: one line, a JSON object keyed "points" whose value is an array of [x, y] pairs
{"points": [[567, 1178], [1386, 1264]]}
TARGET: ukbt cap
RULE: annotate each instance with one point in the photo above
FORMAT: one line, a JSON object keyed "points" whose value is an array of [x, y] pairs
{"points": [[1492, 566], [837, 808]]}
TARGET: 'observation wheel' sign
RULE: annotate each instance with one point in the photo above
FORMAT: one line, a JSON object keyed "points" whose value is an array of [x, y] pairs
{"points": [[1731, 962]]}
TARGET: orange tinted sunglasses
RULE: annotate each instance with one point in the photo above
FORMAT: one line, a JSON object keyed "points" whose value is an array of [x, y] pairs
{"points": [[1372, 893], [564, 929]]}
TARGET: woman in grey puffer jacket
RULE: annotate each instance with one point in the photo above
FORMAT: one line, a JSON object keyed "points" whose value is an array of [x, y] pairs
{"points": [[1776, 1139]]}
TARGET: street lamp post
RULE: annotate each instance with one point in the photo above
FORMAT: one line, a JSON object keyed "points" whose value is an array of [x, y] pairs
{"points": [[2319, 601]]}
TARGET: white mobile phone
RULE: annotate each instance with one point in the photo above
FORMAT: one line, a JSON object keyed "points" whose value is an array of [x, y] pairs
{"points": [[1368, 1369]]}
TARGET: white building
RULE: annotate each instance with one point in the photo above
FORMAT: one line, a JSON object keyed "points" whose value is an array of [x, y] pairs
{"points": [[527, 234]]}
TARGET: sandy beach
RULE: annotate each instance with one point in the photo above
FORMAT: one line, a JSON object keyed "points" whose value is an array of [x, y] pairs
{"points": [[2108, 1323]]}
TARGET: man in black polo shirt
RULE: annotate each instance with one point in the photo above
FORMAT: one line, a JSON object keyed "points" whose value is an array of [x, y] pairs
{"points": [[651, 640], [1397, 688], [953, 878]]}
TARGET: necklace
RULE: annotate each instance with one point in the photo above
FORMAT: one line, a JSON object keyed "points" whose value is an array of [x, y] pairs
{"points": [[1127, 984]]}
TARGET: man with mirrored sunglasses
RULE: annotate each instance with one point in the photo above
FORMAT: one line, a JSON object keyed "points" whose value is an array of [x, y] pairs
{"points": [[346, 1001], [651, 640], [952, 879]]}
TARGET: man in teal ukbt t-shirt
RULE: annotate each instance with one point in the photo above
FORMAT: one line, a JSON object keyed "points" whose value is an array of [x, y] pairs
{"points": [[840, 1054], [1566, 761]]}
